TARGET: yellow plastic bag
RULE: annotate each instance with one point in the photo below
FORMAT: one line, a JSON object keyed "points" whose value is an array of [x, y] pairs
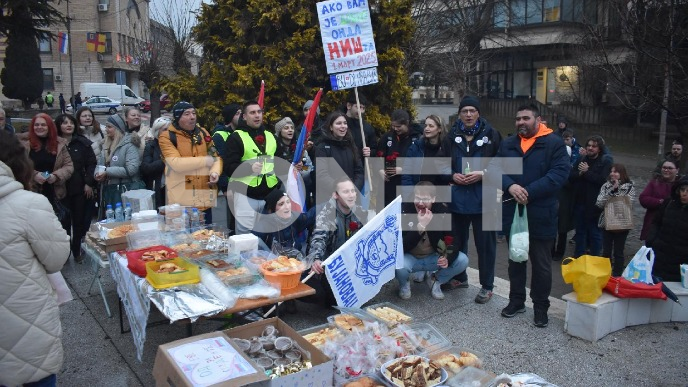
{"points": [[588, 274]]}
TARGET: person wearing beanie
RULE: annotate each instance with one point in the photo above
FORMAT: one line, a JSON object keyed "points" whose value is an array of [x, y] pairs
{"points": [[230, 121], [122, 161], [472, 137], [189, 153], [279, 227], [286, 146], [250, 166]]}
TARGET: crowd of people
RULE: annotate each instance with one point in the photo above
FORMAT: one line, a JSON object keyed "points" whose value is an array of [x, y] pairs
{"points": [[75, 166]]}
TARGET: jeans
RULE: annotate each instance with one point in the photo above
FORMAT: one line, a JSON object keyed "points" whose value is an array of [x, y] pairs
{"points": [[245, 211], [613, 243], [540, 258], [485, 245], [48, 381], [587, 232], [429, 263]]}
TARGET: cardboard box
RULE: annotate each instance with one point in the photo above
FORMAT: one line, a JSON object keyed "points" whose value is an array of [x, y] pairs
{"points": [[168, 372], [322, 373], [110, 245]]}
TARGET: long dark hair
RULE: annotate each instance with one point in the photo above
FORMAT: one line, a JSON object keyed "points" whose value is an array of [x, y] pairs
{"points": [[348, 136], [623, 175], [59, 120], [13, 154]]}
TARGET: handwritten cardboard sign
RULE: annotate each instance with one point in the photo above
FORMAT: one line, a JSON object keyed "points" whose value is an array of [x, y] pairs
{"points": [[347, 35]]}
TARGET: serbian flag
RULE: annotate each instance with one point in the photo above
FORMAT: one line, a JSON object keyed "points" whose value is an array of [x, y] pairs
{"points": [[261, 94], [296, 190], [63, 42]]}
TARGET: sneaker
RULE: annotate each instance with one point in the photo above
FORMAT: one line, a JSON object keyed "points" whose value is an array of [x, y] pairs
{"points": [[512, 309], [405, 290], [436, 291], [454, 284], [483, 296], [540, 320], [418, 276]]}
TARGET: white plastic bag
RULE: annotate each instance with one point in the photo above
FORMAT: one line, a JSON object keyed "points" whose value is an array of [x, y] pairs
{"points": [[640, 268], [519, 237]]}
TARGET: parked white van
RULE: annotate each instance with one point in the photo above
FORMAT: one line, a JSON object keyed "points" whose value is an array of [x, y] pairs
{"points": [[113, 91]]}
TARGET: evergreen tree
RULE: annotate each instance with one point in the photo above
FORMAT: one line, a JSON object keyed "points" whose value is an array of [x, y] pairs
{"points": [[246, 41], [22, 77]]}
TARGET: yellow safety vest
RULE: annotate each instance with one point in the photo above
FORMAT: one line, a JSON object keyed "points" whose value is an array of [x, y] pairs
{"points": [[250, 152]]}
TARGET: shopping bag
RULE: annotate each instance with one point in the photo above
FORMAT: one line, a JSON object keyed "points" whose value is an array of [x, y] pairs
{"points": [[588, 274], [618, 214], [640, 268], [623, 288], [519, 238]]}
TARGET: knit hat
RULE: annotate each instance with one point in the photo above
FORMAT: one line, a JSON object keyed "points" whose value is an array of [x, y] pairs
{"points": [[281, 124], [308, 105], [229, 111], [117, 122], [178, 109], [272, 198], [469, 100]]}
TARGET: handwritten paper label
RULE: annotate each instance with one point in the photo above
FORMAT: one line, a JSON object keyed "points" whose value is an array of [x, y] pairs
{"points": [[210, 361]]}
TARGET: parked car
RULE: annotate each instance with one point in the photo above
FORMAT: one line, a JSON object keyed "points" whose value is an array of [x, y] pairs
{"points": [[101, 105], [165, 102]]}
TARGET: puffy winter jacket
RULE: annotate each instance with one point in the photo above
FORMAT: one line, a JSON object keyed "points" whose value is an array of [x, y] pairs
{"points": [[32, 244]]}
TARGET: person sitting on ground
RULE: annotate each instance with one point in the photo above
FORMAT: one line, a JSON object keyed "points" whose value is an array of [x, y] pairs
{"points": [[335, 224], [421, 242], [279, 227], [668, 234]]}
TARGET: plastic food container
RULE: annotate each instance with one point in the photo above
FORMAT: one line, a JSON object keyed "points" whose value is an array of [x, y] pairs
{"points": [[430, 339], [453, 362], [348, 320], [138, 266], [389, 313], [443, 376], [146, 220], [287, 280], [168, 280]]}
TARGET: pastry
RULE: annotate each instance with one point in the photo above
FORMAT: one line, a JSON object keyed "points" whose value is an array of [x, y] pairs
{"points": [[320, 337], [389, 315], [157, 256], [120, 231], [413, 371], [169, 267], [217, 263], [202, 235], [348, 322]]}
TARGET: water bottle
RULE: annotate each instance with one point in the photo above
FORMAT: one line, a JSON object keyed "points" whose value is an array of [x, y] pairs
{"points": [[185, 217], [195, 219], [127, 212], [468, 169], [109, 214], [119, 213]]}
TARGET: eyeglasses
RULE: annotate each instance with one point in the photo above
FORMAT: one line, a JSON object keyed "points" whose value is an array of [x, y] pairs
{"points": [[668, 168], [468, 111]]}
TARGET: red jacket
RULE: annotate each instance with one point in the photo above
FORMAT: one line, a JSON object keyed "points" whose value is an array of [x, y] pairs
{"points": [[651, 198]]}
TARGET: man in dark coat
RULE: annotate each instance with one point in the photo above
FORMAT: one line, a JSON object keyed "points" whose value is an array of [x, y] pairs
{"points": [[545, 168]]}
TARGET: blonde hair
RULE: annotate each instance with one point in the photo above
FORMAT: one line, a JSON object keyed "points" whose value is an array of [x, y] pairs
{"points": [[111, 143]]}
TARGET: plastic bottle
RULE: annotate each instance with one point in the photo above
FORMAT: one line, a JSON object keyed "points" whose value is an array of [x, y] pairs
{"points": [[109, 214], [468, 169], [119, 213], [195, 219], [185, 217], [127, 212]]}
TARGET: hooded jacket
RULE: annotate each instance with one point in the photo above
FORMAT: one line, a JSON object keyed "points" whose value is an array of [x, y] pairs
{"points": [[667, 236], [341, 153], [32, 244], [125, 162]]}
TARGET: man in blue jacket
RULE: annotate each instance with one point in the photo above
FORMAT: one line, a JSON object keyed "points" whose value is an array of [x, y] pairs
{"points": [[545, 169], [471, 143]]}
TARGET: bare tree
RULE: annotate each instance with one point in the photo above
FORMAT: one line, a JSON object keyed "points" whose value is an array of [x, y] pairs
{"points": [[450, 43], [642, 48]]}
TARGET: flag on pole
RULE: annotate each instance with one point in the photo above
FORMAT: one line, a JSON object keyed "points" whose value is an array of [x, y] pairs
{"points": [[63, 42], [261, 94], [296, 189], [368, 260]]}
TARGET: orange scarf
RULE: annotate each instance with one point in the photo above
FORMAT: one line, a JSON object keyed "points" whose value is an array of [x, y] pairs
{"points": [[527, 143]]}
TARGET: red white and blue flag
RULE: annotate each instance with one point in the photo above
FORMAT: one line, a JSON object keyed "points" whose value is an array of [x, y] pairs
{"points": [[63, 42], [296, 190]]}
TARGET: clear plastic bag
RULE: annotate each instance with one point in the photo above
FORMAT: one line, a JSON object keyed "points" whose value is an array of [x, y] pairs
{"points": [[519, 238]]}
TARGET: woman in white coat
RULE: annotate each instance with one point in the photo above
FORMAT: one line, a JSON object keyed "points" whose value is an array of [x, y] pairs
{"points": [[34, 244]]}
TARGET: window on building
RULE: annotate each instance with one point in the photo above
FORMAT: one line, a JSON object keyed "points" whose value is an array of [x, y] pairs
{"points": [[108, 42], [590, 12], [551, 10], [48, 79], [44, 44], [518, 12], [500, 16], [534, 12]]}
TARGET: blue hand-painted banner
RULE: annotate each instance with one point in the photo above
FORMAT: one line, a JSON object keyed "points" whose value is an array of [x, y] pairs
{"points": [[347, 35], [354, 79], [368, 260]]}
